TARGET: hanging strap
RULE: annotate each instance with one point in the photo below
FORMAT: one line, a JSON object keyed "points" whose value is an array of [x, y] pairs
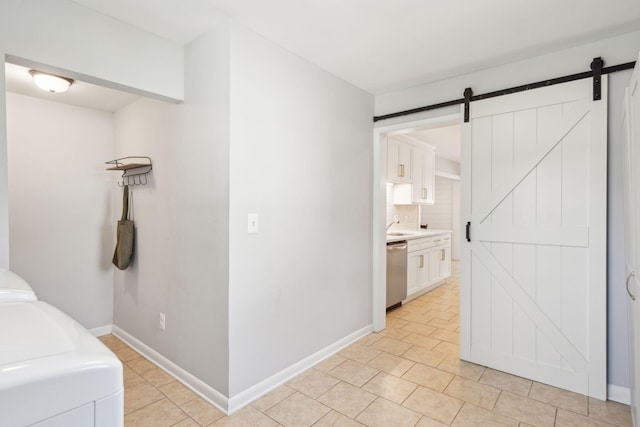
{"points": [[125, 203]]}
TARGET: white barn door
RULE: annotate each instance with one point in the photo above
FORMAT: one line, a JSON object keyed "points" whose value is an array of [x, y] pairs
{"points": [[533, 288]]}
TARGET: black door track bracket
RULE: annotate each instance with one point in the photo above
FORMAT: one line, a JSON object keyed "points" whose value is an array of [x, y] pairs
{"points": [[468, 93], [596, 67]]}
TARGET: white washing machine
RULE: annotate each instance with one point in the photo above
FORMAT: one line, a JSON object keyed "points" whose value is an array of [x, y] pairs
{"points": [[53, 372], [14, 288]]}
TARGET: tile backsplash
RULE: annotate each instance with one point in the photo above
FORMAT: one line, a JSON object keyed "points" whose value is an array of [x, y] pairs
{"points": [[440, 214], [408, 215]]}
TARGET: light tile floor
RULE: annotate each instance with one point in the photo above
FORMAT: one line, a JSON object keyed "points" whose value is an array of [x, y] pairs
{"points": [[407, 375]]}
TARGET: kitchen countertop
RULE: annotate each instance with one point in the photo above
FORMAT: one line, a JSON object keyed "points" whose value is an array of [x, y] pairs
{"points": [[413, 234]]}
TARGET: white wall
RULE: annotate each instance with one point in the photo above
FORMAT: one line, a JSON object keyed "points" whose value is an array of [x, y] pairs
{"points": [[444, 214], [614, 50], [61, 228], [301, 159], [440, 214], [182, 218], [66, 36]]}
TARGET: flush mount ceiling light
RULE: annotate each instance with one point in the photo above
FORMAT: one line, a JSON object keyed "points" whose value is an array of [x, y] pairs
{"points": [[51, 83]]}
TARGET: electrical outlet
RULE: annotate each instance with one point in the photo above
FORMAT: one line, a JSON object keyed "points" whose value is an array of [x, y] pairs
{"points": [[252, 227], [163, 323]]}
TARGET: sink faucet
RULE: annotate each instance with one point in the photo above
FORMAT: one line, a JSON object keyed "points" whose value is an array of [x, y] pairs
{"points": [[391, 223]]}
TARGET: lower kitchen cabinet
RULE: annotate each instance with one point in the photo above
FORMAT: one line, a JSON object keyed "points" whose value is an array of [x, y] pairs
{"points": [[445, 263], [417, 271], [434, 265], [428, 263]]}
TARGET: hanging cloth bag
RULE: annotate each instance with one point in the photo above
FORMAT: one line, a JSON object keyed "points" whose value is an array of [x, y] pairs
{"points": [[123, 254]]}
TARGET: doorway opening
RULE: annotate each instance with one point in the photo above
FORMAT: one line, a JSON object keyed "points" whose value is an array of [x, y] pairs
{"points": [[442, 136]]}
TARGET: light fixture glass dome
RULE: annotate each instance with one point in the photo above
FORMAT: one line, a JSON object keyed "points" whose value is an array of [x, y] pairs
{"points": [[50, 83]]}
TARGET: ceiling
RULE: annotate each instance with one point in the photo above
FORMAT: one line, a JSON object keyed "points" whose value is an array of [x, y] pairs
{"points": [[81, 94], [386, 45], [446, 140], [377, 45]]}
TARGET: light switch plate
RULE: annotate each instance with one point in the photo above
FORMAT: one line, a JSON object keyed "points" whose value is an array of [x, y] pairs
{"points": [[252, 227]]}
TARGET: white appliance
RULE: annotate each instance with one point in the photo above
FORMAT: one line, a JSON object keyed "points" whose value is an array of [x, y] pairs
{"points": [[631, 185], [14, 288], [53, 372]]}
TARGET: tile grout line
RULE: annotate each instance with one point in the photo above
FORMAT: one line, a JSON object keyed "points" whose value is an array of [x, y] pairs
{"points": [[393, 363]]}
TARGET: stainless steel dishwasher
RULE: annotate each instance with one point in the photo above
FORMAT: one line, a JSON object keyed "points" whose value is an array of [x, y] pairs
{"points": [[396, 273]]}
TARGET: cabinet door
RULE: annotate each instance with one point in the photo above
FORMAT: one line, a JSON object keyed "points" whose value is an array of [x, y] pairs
{"points": [[405, 162], [423, 272], [393, 151], [434, 265], [445, 262], [429, 176], [398, 161], [413, 272], [418, 271], [423, 175]]}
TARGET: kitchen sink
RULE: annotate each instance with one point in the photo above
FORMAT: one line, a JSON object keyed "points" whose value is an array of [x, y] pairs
{"points": [[400, 234]]}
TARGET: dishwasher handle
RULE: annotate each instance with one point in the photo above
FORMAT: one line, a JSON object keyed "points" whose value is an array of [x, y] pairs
{"points": [[400, 247]]}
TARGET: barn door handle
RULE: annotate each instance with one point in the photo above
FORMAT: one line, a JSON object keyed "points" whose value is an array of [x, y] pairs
{"points": [[627, 284], [468, 231]]}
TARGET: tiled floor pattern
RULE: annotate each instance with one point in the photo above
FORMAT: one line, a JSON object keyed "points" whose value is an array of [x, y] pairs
{"points": [[407, 375]]}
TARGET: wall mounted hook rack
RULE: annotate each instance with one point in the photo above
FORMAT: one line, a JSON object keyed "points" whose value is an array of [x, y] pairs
{"points": [[134, 169]]}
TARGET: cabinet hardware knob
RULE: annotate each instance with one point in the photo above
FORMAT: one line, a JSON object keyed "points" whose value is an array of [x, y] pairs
{"points": [[421, 261]]}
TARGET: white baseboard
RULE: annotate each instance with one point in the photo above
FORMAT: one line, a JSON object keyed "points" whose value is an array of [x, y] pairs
{"points": [[247, 396], [619, 394], [230, 405], [240, 400], [101, 330], [204, 390]]}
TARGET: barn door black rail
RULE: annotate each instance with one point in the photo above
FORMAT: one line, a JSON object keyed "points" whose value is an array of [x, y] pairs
{"points": [[597, 70]]}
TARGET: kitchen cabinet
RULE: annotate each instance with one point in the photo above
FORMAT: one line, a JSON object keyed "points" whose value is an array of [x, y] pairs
{"points": [[421, 189], [428, 263], [434, 265], [445, 262], [417, 267], [424, 175], [417, 271], [399, 161]]}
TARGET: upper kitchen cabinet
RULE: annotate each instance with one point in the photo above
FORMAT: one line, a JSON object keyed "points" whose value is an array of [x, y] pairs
{"points": [[420, 188], [424, 175], [399, 161]]}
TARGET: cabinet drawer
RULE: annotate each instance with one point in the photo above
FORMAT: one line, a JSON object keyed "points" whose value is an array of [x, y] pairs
{"points": [[443, 240], [429, 242]]}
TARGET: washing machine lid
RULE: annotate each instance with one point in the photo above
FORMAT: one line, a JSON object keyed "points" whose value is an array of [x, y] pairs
{"points": [[50, 364], [14, 288]]}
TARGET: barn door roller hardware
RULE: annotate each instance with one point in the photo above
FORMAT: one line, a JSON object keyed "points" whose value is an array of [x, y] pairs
{"points": [[468, 93], [597, 70], [596, 67]]}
